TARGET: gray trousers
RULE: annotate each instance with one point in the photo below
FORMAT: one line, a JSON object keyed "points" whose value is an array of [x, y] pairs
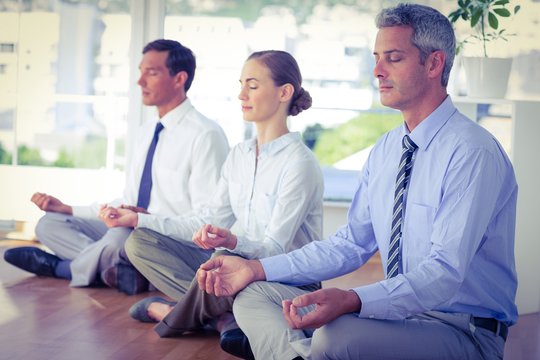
{"points": [[195, 309], [432, 335], [170, 265], [89, 244]]}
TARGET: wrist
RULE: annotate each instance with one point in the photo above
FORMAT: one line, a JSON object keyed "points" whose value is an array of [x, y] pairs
{"points": [[353, 302], [258, 270], [233, 241], [135, 220], [68, 210]]}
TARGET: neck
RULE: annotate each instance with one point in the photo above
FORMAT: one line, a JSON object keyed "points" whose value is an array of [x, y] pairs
{"points": [[165, 109], [268, 132], [414, 115]]}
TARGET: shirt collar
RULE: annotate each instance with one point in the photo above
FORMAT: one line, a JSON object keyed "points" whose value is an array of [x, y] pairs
{"points": [[273, 147], [176, 115], [423, 133]]}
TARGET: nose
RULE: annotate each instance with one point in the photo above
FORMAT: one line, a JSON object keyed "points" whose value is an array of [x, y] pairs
{"points": [[242, 94], [378, 70], [140, 82]]}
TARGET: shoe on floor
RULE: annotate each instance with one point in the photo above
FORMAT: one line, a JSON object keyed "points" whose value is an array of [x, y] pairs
{"points": [[125, 278], [32, 259], [139, 310], [236, 343]]}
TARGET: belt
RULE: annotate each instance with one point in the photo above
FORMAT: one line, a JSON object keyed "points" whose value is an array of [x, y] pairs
{"points": [[498, 328]]}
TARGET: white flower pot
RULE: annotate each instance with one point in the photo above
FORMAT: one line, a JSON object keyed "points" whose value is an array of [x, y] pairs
{"points": [[487, 77]]}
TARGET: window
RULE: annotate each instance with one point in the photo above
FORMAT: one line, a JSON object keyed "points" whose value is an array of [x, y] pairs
{"points": [[64, 79], [333, 46], [65, 72]]}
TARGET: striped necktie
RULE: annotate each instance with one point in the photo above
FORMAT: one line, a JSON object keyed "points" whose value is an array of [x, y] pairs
{"points": [[405, 165]]}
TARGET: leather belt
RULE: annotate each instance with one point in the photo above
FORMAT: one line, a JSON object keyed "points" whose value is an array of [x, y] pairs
{"points": [[498, 328]]}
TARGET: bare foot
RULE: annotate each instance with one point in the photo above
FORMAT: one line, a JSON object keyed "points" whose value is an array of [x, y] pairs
{"points": [[158, 311]]}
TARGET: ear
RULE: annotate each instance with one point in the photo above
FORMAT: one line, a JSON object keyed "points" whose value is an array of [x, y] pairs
{"points": [[286, 92], [435, 64], [180, 79]]}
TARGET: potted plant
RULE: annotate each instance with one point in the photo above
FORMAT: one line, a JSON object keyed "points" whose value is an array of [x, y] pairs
{"points": [[486, 76]]}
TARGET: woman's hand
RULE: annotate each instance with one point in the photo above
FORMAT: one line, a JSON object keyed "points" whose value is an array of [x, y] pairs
{"points": [[211, 237]]}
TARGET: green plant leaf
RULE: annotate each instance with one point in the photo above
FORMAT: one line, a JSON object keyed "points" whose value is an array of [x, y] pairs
{"points": [[476, 15], [483, 17], [492, 21], [454, 16], [502, 12]]}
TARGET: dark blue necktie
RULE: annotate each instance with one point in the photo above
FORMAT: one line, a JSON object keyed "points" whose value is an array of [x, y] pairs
{"points": [[404, 172], [146, 179]]}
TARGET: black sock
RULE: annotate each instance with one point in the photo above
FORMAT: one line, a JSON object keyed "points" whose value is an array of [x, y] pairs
{"points": [[63, 269]]}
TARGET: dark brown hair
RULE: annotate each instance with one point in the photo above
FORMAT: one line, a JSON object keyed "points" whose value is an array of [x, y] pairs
{"points": [[284, 70], [180, 58]]}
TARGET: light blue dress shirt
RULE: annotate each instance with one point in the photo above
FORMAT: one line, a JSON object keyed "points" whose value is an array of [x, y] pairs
{"points": [[275, 200], [458, 228]]}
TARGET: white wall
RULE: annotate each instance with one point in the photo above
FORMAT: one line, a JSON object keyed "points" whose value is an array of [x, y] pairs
{"points": [[72, 186], [83, 186], [335, 215]]}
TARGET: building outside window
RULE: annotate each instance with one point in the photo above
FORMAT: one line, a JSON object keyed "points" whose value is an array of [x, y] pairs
{"points": [[64, 78]]}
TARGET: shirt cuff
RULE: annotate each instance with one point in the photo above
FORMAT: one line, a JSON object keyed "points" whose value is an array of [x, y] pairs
{"points": [[375, 301], [240, 245], [145, 221], [85, 212], [276, 268]]}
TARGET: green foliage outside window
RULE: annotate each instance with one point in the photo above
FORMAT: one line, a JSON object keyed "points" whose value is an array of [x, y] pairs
{"points": [[29, 156], [65, 160], [93, 154], [357, 134], [90, 155], [5, 156]]}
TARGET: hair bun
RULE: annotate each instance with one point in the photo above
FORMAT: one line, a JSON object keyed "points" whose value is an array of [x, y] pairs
{"points": [[300, 103]]}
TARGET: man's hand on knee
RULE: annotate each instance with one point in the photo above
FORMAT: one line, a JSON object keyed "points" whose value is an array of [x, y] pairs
{"points": [[329, 305]]}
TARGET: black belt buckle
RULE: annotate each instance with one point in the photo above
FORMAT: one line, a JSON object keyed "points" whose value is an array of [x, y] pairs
{"points": [[497, 327]]}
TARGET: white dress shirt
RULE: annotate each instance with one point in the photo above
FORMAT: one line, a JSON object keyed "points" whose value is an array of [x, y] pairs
{"points": [[186, 165], [275, 198]]}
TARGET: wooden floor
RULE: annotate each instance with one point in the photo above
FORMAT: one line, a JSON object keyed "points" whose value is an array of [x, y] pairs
{"points": [[43, 318]]}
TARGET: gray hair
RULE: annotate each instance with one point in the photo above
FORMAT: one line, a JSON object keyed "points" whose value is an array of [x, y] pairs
{"points": [[432, 31]]}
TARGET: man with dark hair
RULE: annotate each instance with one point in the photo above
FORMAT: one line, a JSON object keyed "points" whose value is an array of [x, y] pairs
{"points": [[437, 199], [175, 166]]}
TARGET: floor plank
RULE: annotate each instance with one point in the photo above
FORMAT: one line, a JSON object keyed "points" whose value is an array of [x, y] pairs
{"points": [[44, 318]]}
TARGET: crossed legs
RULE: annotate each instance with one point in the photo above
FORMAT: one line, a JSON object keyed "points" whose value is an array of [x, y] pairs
{"points": [[170, 265], [431, 335]]}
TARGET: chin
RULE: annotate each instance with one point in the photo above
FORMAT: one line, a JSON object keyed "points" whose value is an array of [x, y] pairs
{"points": [[389, 103], [148, 100]]}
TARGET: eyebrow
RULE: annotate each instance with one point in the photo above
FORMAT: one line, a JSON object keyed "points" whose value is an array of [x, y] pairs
{"points": [[249, 79], [141, 67], [390, 52]]}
